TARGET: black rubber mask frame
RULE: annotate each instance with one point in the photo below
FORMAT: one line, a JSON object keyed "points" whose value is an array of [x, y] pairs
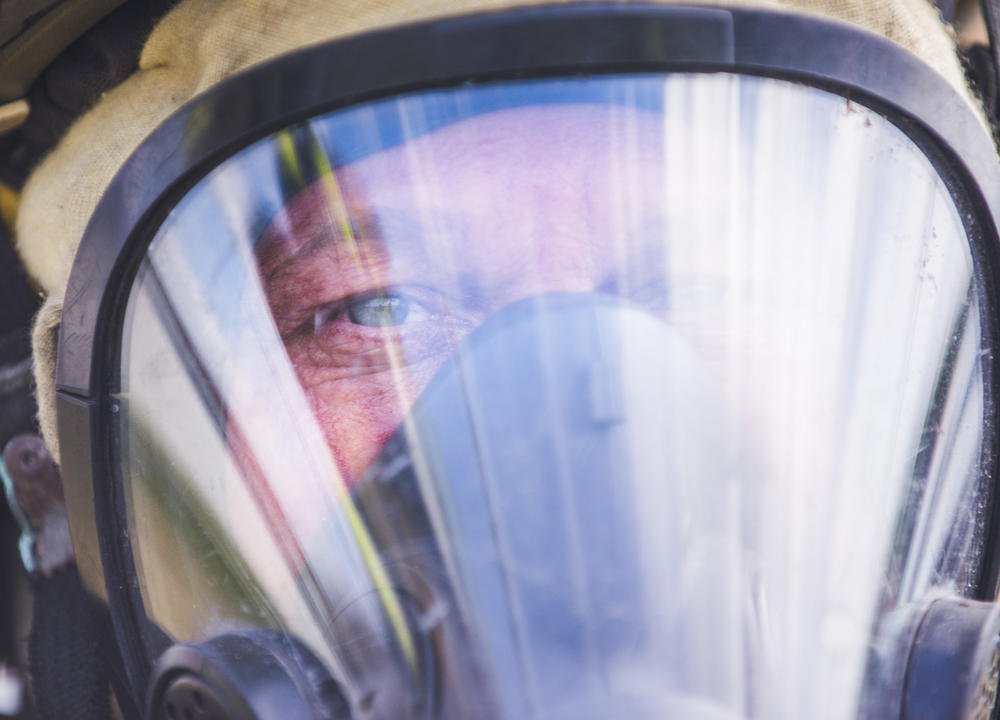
{"points": [[530, 43]]}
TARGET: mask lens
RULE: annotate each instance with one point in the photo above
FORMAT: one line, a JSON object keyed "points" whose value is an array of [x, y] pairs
{"points": [[800, 311]]}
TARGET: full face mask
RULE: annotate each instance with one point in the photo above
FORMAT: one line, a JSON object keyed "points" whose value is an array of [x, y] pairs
{"points": [[562, 363]]}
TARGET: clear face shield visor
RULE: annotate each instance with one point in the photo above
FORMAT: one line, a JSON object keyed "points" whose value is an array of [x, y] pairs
{"points": [[646, 395], [662, 357]]}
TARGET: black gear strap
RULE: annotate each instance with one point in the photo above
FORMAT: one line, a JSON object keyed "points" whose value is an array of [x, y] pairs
{"points": [[991, 15], [981, 70], [96, 62], [68, 650], [982, 65], [18, 301]]}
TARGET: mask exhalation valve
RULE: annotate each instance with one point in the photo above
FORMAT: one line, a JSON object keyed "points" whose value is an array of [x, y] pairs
{"points": [[954, 662], [252, 676]]}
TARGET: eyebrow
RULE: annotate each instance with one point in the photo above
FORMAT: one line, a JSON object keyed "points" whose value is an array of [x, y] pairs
{"points": [[369, 224]]}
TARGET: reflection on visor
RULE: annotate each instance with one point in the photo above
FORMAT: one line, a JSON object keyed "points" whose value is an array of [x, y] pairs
{"points": [[620, 396], [405, 251]]}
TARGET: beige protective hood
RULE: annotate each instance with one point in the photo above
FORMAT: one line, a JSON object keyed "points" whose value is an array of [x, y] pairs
{"points": [[204, 41]]}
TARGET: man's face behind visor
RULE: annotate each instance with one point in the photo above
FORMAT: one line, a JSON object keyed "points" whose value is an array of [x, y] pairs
{"points": [[793, 338], [376, 273]]}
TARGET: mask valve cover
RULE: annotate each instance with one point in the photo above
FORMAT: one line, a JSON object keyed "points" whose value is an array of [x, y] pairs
{"points": [[252, 676], [954, 662]]}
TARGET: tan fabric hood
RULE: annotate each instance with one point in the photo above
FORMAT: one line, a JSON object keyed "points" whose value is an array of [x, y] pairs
{"points": [[203, 41]]}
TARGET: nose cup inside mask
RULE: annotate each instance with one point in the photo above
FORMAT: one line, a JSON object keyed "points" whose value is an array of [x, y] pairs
{"points": [[565, 497]]}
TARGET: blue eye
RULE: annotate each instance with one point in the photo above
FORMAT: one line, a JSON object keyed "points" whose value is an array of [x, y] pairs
{"points": [[378, 311]]}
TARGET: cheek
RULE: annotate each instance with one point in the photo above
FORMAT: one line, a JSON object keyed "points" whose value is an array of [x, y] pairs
{"points": [[358, 415]]}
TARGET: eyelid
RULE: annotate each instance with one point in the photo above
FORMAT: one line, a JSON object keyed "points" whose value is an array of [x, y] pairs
{"points": [[326, 314], [438, 305], [417, 296]]}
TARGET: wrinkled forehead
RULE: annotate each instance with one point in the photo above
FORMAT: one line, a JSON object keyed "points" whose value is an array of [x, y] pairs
{"points": [[563, 162], [523, 139]]}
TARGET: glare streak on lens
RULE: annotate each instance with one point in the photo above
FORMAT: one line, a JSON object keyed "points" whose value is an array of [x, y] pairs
{"points": [[378, 573]]}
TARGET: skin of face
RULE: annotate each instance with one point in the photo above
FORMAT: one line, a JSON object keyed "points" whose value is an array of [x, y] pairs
{"points": [[375, 273]]}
